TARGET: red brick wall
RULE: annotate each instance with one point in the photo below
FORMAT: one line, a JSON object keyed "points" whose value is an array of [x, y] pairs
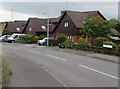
{"points": [[98, 15], [76, 38]]}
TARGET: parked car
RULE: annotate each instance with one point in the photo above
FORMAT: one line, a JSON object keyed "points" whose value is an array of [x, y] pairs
{"points": [[4, 38], [43, 41], [14, 38], [61, 45]]}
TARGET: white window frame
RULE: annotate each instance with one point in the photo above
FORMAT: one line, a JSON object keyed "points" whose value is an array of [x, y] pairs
{"points": [[71, 38], [66, 24], [44, 27], [30, 29], [18, 29]]}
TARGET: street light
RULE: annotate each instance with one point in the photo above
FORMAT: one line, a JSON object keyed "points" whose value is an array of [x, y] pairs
{"points": [[47, 29]]}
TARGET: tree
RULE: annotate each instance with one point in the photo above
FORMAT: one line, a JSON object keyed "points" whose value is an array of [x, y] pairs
{"points": [[115, 24], [95, 27], [6, 32], [117, 27], [61, 38]]}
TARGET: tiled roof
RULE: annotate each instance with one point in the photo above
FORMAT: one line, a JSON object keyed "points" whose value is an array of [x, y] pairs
{"points": [[13, 25]]}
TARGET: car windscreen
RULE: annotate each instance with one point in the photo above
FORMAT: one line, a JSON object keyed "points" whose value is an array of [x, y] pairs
{"points": [[16, 36]]}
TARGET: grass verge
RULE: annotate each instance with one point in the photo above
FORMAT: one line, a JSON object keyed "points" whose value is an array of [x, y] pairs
{"points": [[5, 73]]}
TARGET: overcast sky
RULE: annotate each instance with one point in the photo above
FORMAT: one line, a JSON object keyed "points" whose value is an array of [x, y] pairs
{"points": [[24, 10]]}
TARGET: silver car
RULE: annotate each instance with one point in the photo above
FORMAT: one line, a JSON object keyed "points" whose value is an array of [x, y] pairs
{"points": [[4, 38]]}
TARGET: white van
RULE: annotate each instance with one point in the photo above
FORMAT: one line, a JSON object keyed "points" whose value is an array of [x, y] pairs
{"points": [[14, 38]]}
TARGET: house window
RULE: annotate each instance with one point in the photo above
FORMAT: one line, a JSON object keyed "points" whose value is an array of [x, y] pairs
{"points": [[44, 27], [66, 24], [18, 29], [71, 38], [30, 28]]}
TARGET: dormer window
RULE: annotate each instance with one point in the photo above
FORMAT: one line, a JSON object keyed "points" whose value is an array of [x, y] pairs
{"points": [[66, 24], [44, 27], [18, 29], [84, 22], [30, 28]]}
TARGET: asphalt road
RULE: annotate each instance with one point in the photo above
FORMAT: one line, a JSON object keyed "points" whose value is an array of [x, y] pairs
{"points": [[44, 67]]}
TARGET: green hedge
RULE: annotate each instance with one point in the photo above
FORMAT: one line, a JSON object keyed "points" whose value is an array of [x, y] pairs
{"points": [[26, 38], [99, 41], [95, 49], [109, 43], [36, 38]]}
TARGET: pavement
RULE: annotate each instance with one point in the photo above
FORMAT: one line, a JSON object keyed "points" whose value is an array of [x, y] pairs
{"points": [[36, 66], [109, 58]]}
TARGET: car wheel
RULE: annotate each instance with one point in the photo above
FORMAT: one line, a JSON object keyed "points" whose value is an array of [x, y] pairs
{"points": [[13, 41], [39, 44]]}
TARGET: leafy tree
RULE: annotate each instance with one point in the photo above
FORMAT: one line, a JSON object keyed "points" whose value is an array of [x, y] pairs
{"points": [[96, 27], [117, 27], [6, 32], [61, 38], [115, 24]]}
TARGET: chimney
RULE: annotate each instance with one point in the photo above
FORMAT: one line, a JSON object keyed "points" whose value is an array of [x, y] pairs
{"points": [[62, 12]]}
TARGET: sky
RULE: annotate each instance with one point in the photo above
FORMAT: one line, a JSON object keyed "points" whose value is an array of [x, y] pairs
{"points": [[22, 10]]}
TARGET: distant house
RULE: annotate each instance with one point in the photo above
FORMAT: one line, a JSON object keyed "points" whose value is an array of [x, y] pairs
{"points": [[116, 36], [16, 26], [71, 22], [2, 27], [115, 32], [38, 26]]}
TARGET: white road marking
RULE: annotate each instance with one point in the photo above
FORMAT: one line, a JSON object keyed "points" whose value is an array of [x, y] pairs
{"points": [[98, 71], [57, 57], [55, 78], [33, 51]]}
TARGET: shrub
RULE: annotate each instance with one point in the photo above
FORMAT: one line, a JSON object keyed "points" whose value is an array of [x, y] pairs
{"points": [[42, 37], [36, 38], [61, 38], [82, 42], [99, 41], [6, 32], [109, 43], [68, 43], [26, 38], [75, 45], [118, 47]]}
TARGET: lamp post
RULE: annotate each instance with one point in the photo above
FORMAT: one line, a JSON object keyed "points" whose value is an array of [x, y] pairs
{"points": [[47, 29]]}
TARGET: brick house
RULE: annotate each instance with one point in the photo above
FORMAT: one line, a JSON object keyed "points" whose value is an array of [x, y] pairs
{"points": [[116, 36], [71, 22], [38, 26], [15, 27], [2, 27]]}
